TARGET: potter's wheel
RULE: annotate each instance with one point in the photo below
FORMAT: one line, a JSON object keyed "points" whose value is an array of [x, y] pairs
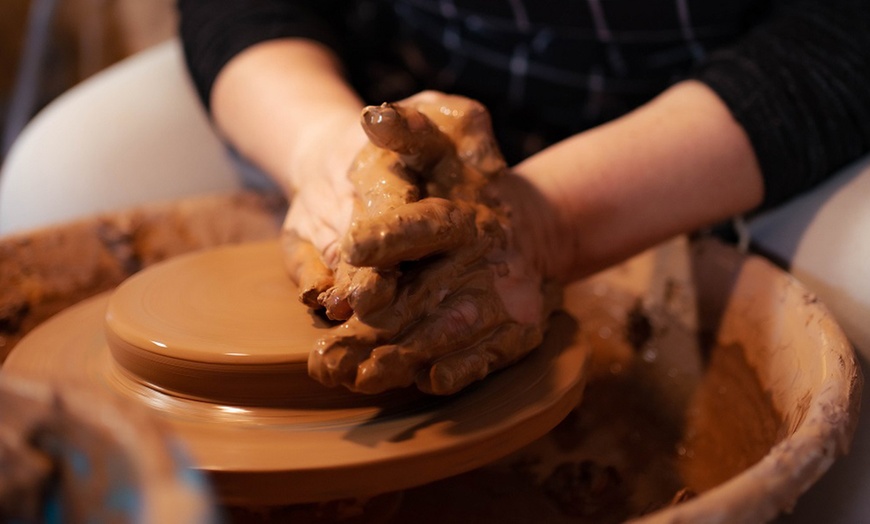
{"points": [[216, 344]]}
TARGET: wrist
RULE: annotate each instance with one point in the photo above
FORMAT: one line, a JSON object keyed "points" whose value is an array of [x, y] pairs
{"points": [[675, 165], [326, 149], [537, 227]]}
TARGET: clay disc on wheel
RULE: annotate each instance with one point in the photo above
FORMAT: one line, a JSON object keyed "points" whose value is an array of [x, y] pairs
{"points": [[216, 344]]}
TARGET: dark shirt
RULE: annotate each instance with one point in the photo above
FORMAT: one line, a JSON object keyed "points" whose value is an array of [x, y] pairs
{"points": [[793, 73]]}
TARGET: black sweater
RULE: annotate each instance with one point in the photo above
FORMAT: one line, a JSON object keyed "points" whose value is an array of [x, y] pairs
{"points": [[795, 74]]}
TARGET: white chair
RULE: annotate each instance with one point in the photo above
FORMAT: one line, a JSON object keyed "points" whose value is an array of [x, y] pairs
{"points": [[824, 237], [132, 134]]}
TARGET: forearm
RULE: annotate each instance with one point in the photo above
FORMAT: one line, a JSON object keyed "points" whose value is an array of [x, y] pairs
{"points": [[677, 164], [274, 98]]}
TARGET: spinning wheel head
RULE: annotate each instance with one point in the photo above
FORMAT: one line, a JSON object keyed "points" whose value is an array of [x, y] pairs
{"points": [[220, 326], [216, 344]]}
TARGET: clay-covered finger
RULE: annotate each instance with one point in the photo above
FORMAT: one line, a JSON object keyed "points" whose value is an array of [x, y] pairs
{"points": [[424, 286], [336, 356], [409, 232], [357, 289], [334, 300], [373, 289], [466, 123], [380, 183], [408, 133], [506, 345], [306, 269], [460, 321], [424, 148]]}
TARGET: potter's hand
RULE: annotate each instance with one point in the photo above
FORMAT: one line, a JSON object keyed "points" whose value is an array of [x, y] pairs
{"points": [[321, 203], [430, 279]]}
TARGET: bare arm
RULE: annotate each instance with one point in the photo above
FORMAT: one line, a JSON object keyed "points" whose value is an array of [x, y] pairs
{"points": [[677, 164], [285, 105], [279, 99]]}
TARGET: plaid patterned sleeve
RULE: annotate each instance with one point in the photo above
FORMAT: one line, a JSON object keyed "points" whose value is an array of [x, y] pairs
{"points": [[550, 69], [793, 72], [214, 31]]}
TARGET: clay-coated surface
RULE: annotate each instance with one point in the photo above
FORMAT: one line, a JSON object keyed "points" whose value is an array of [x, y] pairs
{"points": [[346, 445]]}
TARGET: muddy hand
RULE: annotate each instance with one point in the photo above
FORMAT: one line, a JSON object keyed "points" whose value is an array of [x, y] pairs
{"points": [[461, 302], [376, 183], [455, 319], [470, 333], [389, 186]]}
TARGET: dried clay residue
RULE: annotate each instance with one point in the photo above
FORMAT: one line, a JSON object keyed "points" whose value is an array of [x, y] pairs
{"points": [[45, 271]]}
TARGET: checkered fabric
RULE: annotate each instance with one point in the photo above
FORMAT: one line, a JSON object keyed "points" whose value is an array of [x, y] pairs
{"points": [[793, 72]]}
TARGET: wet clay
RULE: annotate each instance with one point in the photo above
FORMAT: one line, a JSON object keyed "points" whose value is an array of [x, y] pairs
{"points": [[421, 272], [241, 400]]}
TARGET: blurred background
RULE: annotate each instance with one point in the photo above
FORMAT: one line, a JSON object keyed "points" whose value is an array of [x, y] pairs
{"points": [[48, 46]]}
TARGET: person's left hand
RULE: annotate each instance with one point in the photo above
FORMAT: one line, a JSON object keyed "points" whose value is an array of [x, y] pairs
{"points": [[430, 283]]}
